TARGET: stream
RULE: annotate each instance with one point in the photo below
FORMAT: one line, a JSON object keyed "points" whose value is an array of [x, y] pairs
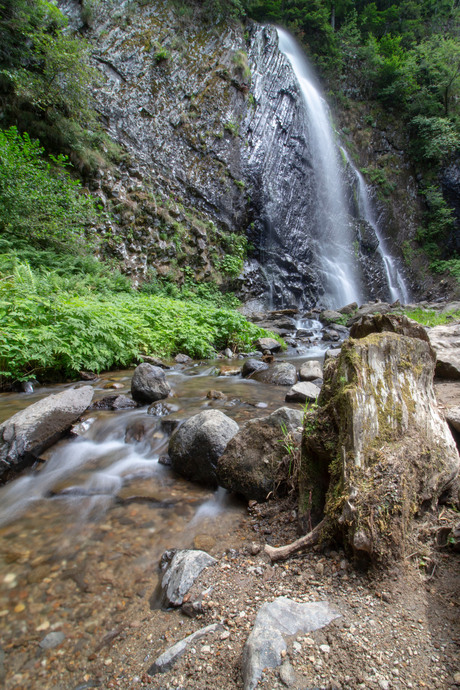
{"points": [[81, 536]]}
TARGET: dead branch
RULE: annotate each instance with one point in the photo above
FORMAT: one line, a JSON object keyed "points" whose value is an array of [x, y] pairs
{"points": [[283, 552]]}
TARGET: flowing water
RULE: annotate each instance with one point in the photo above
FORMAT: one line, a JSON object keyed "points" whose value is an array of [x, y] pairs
{"points": [[395, 281], [82, 534], [340, 275]]}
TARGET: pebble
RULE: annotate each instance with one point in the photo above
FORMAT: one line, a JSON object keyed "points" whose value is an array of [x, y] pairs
{"points": [[53, 639], [287, 674], [457, 678], [325, 648]]}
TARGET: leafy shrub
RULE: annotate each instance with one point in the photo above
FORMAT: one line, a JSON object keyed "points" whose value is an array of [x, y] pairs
{"points": [[433, 138], [38, 198]]}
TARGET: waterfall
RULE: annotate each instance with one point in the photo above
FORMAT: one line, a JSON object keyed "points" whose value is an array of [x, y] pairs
{"points": [[338, 267], [396, 285]]}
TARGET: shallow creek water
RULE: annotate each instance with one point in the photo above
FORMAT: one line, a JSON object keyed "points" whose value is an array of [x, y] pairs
{"points": [[81, 536]]}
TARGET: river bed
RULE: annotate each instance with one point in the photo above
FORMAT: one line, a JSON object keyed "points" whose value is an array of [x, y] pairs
{"points": [[82, 535]]}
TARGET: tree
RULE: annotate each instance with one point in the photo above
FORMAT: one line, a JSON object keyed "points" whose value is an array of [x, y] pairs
{"points": [[435, 66]]}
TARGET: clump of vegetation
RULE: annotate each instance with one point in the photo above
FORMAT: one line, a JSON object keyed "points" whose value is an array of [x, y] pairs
{"points": [[240, 61], [430, 317], [50, 329]]}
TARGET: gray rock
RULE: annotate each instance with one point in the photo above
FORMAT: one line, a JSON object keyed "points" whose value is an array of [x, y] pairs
{"points": [[182, 571], [349, 308], [279, 374], [149, 384], [182, 359], [445, 340], [330, 316], [276, 619], [251, 366], [305, 391], [453, 417], [167, 660], [249, 465], [332, 353], [391, 323], [28, 433], [269, 344], [53, 639], [366, 309], [311, 370], [198, 443], [114, 402], [451, 307], [287, 674]]}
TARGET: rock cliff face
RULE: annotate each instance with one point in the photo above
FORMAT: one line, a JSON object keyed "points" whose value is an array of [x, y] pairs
{"points": [[217, 148], [173, 94]]}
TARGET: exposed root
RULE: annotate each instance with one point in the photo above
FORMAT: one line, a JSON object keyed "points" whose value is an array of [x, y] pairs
{"points": [[283, 552]]}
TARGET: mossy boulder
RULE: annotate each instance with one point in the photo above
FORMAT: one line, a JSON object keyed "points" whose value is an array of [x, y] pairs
{"points": [[250, 464], [377, 452]]}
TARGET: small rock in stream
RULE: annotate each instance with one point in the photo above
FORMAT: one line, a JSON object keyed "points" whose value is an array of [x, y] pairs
{"points": [[53, 639]]}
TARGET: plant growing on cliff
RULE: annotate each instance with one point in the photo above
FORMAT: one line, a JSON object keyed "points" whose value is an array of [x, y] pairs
{"points": [[38, 198]]}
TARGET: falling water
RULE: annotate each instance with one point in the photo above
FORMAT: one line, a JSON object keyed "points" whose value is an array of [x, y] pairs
{"points": [[338, 269], [396, 284]]}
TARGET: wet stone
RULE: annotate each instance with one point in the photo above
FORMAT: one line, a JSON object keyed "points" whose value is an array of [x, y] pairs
{"points": [[53, 639]]}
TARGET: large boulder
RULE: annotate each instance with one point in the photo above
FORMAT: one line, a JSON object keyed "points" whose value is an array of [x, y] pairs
{"points": [[198, 443], [149, 384], [377, 451], [445, 340], [251, 366], [249, 466], [267, 344], [28, 433], [279, 374], [392, 323]]}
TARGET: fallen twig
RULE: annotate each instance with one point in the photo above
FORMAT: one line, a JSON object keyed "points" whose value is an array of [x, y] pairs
{"points": [[282, 552]]}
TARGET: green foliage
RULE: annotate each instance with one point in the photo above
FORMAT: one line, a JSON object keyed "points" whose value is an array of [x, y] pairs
{"points": [[438, 225], [161, 55], [45, 74], [240, 60], [430, 317], [433, 139], [38, 199], [50, 332]]}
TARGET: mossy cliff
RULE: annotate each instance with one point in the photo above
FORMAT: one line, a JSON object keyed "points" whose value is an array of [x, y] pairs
{"points": [[377, 451]]}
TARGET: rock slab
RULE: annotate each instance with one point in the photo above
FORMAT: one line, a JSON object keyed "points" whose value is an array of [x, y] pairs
{"points": [[311, 370], [182, 571], [276, 619], [28, 433], [198, 443]]}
